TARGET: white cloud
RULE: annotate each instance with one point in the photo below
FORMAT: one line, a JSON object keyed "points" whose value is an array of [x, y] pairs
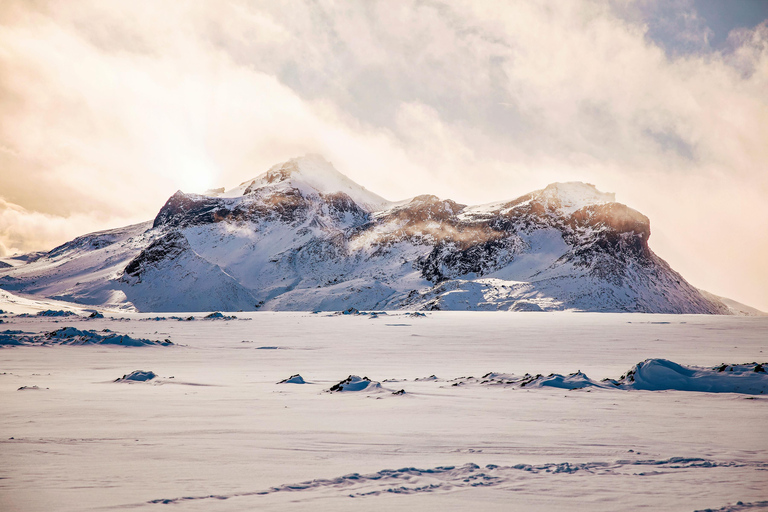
{"points": [[22, 230]]}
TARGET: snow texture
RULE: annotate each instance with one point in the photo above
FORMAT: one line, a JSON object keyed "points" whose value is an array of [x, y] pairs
{"points": [[660, 374], [219, 434], [74, 336]]}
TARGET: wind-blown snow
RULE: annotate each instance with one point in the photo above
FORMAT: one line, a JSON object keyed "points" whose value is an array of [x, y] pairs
{"points": [[354, 383]]}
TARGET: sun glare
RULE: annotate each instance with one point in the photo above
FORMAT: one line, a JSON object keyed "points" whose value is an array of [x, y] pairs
{"points": [[195, 175]]}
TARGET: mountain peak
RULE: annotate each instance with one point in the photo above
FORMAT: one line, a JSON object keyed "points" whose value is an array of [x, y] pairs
{"points": [[312, 174], [311, 166], [302, 236], [574, 195]]}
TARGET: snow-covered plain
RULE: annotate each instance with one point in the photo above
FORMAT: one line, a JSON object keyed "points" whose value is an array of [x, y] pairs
{"points": [[213, 430]]}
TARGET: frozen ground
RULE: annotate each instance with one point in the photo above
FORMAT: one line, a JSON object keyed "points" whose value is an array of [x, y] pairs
{"points": [[210, 429]]}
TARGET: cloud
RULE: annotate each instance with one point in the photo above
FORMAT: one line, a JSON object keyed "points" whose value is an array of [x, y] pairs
{"points": [[22, 230], [106, 108]]}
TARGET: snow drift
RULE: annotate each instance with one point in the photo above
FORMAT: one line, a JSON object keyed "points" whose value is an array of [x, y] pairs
{"points": [[660, 374], [648, 375], [293, 379], [74, 336], [355, 383]]}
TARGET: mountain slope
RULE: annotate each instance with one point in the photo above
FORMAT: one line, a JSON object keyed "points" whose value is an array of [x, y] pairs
{"points": [[302, 237]]}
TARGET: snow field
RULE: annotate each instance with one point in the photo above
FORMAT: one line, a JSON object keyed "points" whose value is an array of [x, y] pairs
{"points": [[228, 437]]}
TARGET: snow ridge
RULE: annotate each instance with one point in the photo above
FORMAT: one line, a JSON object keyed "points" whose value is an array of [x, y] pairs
{"points": [[74, 336], [648, 375], [303, 236]]}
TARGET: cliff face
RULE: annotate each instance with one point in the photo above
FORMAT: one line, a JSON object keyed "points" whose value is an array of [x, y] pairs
{"points": [[304, 237]]}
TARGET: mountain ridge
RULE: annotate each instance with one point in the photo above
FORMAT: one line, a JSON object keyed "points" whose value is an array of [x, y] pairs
{"points": [[303, 236]]}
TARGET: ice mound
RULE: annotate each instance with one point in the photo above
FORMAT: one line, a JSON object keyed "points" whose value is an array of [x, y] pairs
{"points": [[661, 374], [571, 196], [351, 311], [355, 383], [14, 337], [137, 376], [649, 375], [293, 379], [489, 379], [51, 312], [430, 480], [576, 380], [218, 315], [74, 336]]}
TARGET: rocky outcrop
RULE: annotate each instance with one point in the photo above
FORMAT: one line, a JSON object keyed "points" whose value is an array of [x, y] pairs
{"points": [[165, 249]]}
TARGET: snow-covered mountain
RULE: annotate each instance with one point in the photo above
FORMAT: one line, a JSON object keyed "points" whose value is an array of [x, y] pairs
{"points": [[302, 236]]}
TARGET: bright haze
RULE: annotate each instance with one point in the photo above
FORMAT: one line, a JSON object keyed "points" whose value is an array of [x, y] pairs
{"points": [[107, 108]]}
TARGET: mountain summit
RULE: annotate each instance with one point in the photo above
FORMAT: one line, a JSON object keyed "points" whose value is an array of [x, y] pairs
{"points": [[572, 196], [303, 236], [310, 174]]}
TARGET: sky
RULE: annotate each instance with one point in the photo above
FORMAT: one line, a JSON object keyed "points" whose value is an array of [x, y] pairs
{"points": [[108, 107]]}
